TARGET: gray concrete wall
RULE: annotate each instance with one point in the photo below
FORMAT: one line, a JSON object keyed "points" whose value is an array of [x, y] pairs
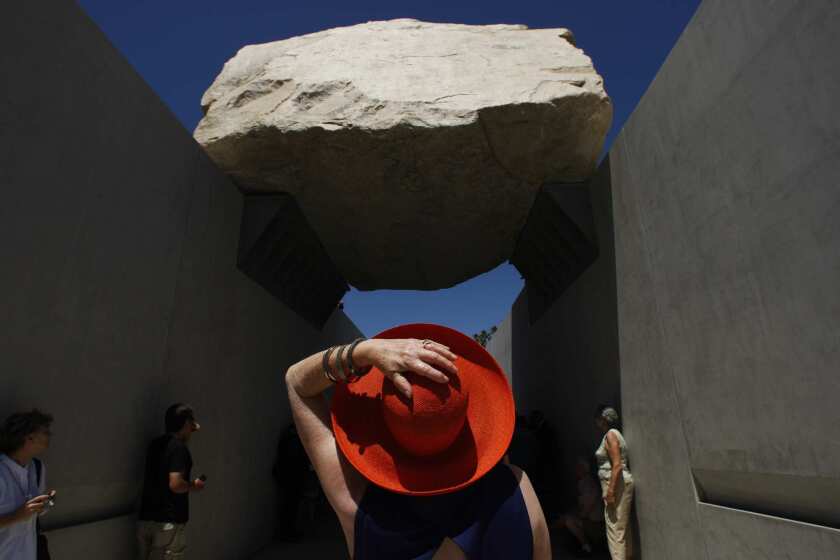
{"points": [[726, 217], [725, 212], [502, 344], [566, 363], [118, 244]]}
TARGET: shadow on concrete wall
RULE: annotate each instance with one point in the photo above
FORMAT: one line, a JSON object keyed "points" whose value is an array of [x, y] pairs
{"points": [[121, 294], [567, 362]]}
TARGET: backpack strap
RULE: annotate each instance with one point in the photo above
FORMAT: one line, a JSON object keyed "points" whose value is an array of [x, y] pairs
{"points": [[38, 469]]}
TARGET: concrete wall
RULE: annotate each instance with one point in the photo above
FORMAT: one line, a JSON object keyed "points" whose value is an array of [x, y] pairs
{"points": [[118, 243], [726, 216], [726, 213], [566, 363], [503, 342]]}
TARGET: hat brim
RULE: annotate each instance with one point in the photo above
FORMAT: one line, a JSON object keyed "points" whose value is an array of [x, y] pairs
{"points": [[368, 445]]}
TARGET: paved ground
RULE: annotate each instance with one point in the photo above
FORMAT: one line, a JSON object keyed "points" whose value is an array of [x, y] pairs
{"points": [[323, 540]]}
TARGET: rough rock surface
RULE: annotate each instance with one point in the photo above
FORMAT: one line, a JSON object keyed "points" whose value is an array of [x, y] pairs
{"points": [[414, 149]]}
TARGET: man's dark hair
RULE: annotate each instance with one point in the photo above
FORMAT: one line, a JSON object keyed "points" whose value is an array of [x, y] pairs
{"points": [[177, 415], [19, 425]]}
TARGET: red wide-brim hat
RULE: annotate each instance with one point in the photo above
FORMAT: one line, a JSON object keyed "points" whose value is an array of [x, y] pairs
{"points": [[358, 419]]}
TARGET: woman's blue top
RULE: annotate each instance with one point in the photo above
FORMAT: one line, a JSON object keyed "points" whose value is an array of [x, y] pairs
{"points": [[487, 520]]}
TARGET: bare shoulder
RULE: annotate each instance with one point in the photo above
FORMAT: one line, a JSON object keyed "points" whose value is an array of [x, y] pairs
{"points": [[612, 437], [539, 528], [517, 472], [526, 488]]}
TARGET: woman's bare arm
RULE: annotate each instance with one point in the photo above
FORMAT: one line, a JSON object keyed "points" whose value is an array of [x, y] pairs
{"points": [[614, 451], [306, 383]]}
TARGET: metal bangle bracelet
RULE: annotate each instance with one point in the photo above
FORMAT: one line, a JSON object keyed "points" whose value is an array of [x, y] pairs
{"points": [[326, 365], [353, 371], [340, 361]]}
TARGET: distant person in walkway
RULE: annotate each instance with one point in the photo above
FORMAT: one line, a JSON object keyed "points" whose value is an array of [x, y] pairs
{"points": [[291, 467], [409, 454], [23, 483], [164, 509], [524, 449], [616, 483], [586, 523]]}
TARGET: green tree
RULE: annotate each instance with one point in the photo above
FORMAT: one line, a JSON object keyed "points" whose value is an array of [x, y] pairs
{"points": [[484, 336]]}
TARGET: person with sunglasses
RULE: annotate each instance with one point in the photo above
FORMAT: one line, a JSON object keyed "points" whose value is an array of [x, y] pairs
{"points": [[168, 482]]}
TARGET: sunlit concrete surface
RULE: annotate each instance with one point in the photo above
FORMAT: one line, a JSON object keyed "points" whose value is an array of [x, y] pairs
{"points": [[720, 329]]}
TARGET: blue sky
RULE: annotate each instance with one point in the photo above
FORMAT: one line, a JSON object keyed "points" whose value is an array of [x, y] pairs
{"points": [[179, 47]]}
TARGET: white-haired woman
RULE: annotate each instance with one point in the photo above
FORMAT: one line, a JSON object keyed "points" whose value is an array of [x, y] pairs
{"points": [[616, 483]]}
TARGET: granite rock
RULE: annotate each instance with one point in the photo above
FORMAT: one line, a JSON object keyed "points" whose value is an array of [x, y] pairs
{"points": [[415, 149]]}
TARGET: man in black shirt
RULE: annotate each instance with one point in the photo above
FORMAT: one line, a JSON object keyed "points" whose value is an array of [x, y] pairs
{"points": [[164, 509]]}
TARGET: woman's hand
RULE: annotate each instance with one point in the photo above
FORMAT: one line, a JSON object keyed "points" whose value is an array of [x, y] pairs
{"points": [[393, 357], [609, 498]]}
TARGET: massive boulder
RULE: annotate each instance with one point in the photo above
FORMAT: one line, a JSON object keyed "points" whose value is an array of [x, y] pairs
{"points": [[414, 149]]}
